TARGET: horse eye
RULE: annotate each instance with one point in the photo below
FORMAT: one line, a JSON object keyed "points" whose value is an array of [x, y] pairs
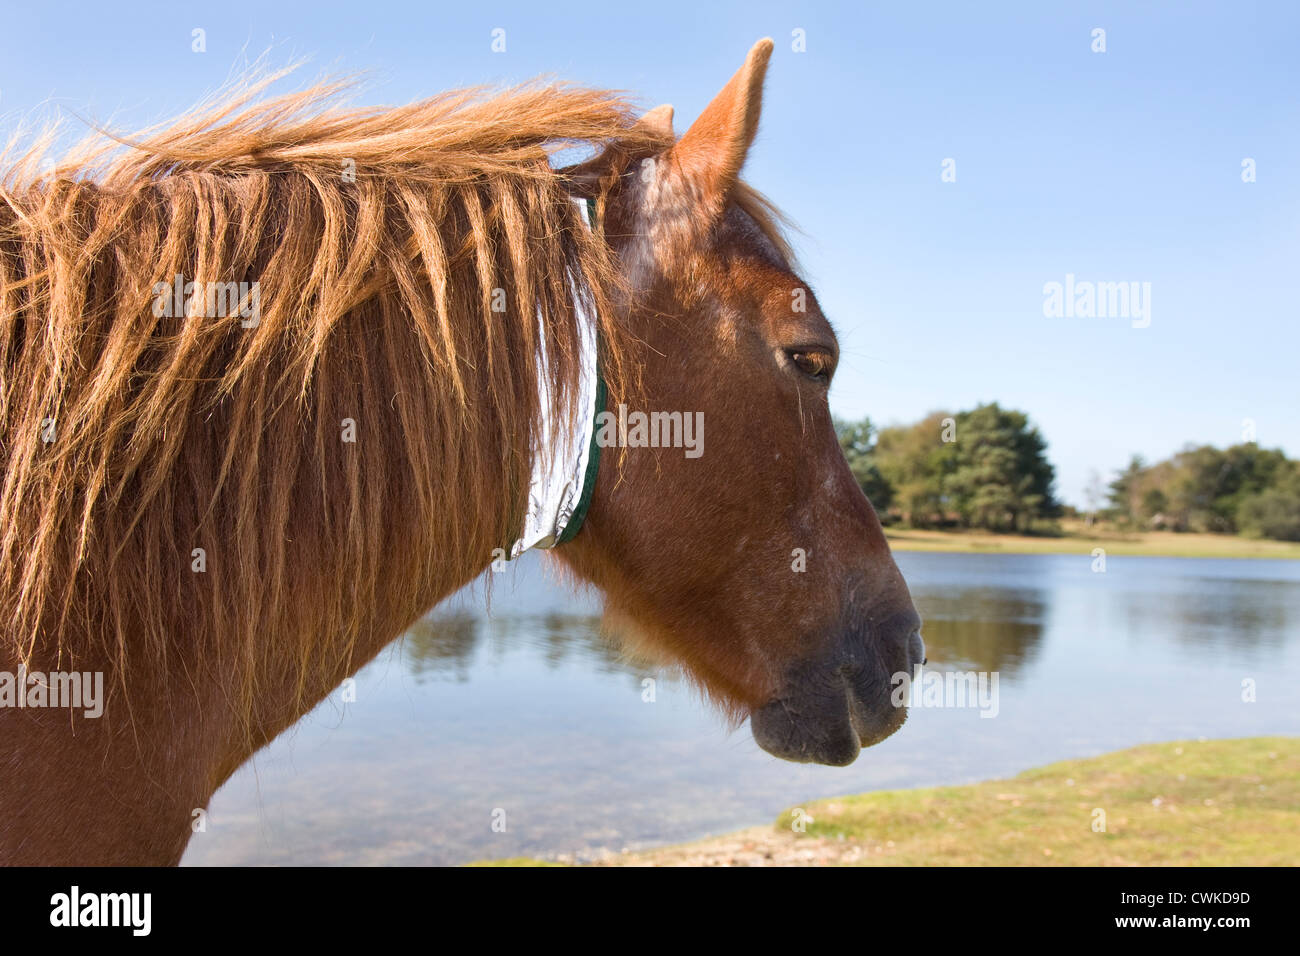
{"points": [[813, 364]]}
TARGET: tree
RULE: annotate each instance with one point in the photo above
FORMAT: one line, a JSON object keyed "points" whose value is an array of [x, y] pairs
{"points": [[1274, 512], [1124, 490], [1243, 488], [1001, 479], [914, 459], [857, 439], [1154, 503], [1094, 495], [1208, 484], [988, 468]]}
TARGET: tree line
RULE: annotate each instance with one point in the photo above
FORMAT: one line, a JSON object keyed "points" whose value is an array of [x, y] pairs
{"points": [[1243, 489], [987, 468], [982, 468]]}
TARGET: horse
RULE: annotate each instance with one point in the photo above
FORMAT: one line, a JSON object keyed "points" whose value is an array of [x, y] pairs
{"points": [[227, 511]]}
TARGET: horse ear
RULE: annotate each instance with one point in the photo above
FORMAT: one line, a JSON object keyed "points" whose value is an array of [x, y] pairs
{"points": [[658, 122], [587, 179], [712, 151]]}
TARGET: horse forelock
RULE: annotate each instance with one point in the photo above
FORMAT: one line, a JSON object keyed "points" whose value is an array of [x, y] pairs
{"points": [[269, 498]]}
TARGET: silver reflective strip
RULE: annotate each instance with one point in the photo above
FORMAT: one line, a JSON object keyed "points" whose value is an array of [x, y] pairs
{"points": [[560, 464]]}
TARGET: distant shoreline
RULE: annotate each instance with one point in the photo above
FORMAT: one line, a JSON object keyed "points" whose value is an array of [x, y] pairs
{"points": [[1154, 544]]}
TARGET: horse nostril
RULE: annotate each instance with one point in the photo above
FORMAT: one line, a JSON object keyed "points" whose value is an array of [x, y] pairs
{"points": [[916, 648]]}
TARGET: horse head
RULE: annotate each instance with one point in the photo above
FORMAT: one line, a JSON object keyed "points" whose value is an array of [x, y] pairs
{"points": [[756, 562]]}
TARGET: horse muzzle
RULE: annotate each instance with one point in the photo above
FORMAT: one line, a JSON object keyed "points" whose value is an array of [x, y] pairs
{"points": [[833, 706]]}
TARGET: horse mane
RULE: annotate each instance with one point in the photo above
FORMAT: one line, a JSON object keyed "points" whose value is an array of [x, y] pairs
{"points": [[128, 441]]}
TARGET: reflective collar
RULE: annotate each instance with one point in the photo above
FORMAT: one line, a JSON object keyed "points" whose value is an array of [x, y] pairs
{"points": [[564, 467]]}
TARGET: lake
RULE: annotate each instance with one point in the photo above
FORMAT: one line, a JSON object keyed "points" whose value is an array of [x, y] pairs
{"points": [[527, 716]]}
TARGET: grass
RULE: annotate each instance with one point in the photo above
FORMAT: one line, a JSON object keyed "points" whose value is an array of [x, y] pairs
{"points": [[1202, 803], [1076, 539], [1208, 803]]}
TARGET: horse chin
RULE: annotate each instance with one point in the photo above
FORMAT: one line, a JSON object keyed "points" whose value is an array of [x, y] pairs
{"points": [[828, 727]]}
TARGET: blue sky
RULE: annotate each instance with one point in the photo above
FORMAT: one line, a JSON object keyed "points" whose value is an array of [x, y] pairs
{"points": [[1115, 166]]}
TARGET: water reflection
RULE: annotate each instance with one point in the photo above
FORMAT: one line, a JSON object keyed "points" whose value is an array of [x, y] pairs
{"points": [[445, 644], [442, 645], [981, 630], [976, 628], [1248, 616], [566, 635]]}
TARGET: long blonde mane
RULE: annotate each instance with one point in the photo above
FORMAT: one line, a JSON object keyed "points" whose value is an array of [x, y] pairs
{"points": [[178, 493]]}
